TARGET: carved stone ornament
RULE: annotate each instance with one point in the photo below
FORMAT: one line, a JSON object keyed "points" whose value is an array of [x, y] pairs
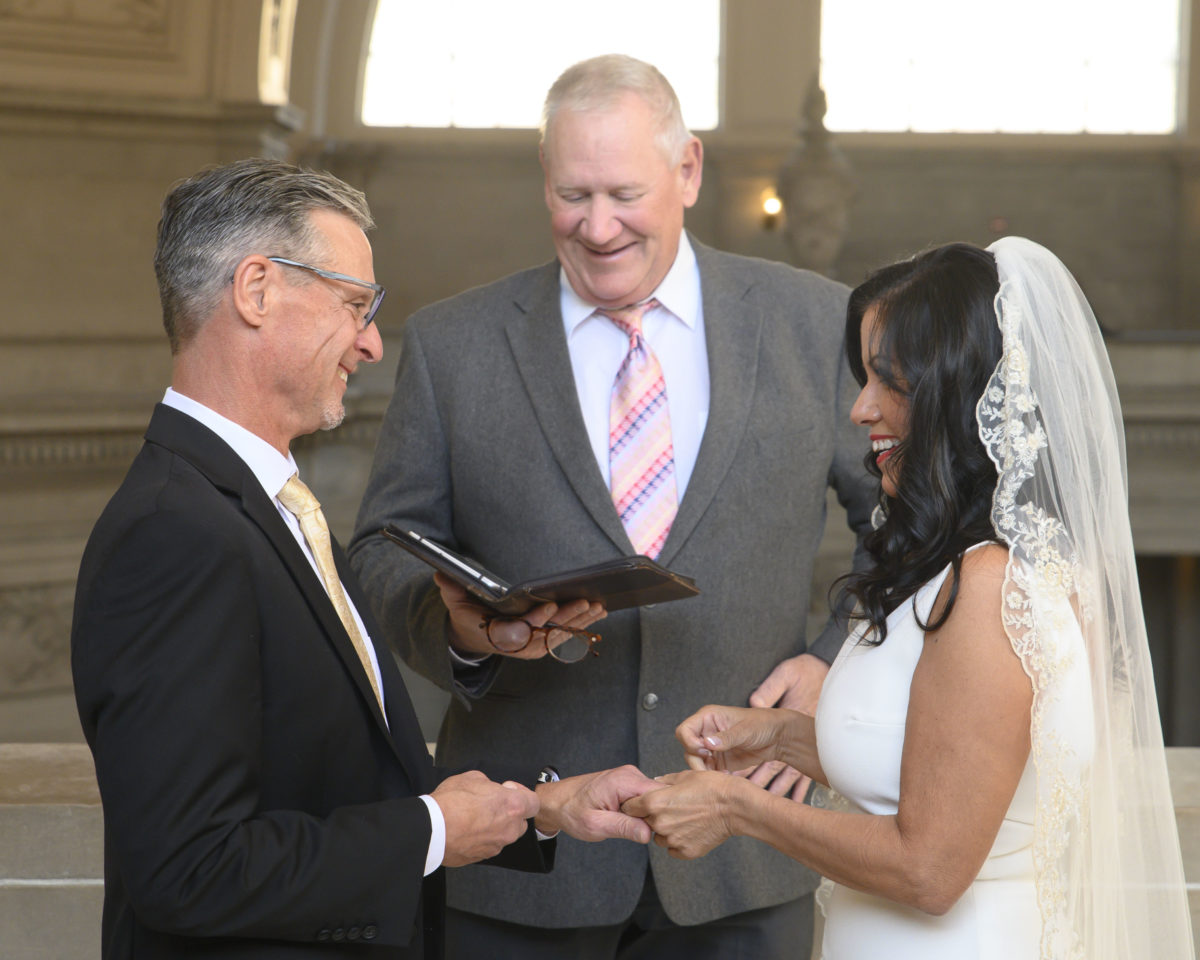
{"points": [[122, 27], [816, 186], [35, 638]]}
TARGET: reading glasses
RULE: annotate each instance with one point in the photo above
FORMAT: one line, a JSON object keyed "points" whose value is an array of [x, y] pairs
{"points": [[577, 646]]}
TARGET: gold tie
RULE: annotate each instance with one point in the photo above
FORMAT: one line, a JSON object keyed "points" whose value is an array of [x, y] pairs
{"points": [[307, 509]]}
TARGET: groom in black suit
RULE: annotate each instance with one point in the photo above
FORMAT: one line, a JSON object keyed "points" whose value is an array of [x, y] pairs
{"points": [[266, 789]]}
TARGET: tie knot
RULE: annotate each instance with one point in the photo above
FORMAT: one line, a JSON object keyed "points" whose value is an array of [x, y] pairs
{"points": [[297, 497], [629, 319]]}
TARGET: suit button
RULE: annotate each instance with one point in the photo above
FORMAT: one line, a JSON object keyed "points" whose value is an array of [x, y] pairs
{"points": [[324, 935], [650, 701], [339, 934], [370, 932], [353, 933]]}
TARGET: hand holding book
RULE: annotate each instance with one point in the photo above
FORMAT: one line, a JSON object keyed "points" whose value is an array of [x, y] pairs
{"points": [[572, 600], [477, 631]]}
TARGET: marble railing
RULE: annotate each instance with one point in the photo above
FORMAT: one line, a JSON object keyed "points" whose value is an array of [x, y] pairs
{"points": [[51, 852]]}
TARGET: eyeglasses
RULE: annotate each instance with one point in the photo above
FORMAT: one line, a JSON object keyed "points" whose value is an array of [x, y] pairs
{"points": [[577, 646], [376, 288]]}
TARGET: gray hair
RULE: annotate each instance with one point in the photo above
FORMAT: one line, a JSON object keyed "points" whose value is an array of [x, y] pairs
{"points": [[211, 221], [599, 83]]}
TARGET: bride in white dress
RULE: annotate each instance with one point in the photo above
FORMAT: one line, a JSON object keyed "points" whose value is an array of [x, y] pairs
{"points": [[989, 729]]}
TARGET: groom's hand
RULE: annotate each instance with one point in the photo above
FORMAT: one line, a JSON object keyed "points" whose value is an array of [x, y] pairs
{"points": [[588, 807], [482, 817]]}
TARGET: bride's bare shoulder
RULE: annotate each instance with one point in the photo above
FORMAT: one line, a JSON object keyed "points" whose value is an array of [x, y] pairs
{"points": [[987, 562]]}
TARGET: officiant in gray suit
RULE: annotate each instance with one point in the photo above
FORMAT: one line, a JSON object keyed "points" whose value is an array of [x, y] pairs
{"points": [[642, 393]]}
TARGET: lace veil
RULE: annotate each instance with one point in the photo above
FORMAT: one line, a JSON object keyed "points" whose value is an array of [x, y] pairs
{"points": [[1108, 870]]}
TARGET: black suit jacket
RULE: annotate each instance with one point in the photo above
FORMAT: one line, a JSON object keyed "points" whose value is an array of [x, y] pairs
{"points": [[255, 802]]}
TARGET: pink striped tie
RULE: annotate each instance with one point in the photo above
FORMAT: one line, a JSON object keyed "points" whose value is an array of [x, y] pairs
{"points": [[641, 456]]}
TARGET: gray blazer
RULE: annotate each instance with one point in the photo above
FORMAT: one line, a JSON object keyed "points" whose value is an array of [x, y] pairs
{"points": [[484, 448]]}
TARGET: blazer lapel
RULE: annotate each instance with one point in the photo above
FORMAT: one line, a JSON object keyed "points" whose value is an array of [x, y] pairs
{"points": [[732, 330], [403, 725], [212, 456], [539, 345]]}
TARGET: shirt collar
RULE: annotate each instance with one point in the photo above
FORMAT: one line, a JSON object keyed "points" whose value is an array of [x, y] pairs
{"points": [[270, 467], [679, 291]]}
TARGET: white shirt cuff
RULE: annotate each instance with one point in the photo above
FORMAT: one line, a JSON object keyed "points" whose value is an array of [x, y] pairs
{"points": [[466, 661], [437, 835]]}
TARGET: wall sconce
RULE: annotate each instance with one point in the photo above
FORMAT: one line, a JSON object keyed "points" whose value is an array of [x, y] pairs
{"points": [[772, 207]]}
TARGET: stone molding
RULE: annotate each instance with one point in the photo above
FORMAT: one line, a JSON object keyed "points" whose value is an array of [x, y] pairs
{"points": [[1179, 438], [107, 46], [112, 27], [79, 449], [139, 119], [60, 440]]}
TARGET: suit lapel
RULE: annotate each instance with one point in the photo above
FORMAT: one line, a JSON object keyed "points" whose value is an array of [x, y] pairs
{"points": [[263, 512], [539, 345], [732, 330], [209, 454], [403, 725]]}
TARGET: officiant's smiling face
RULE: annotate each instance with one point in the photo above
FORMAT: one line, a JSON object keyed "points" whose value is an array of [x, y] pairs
{"points": [[616, 199], [881, 407]]}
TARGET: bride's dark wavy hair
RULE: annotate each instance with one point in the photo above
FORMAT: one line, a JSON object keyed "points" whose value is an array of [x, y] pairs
{"points": [[938, 346]]}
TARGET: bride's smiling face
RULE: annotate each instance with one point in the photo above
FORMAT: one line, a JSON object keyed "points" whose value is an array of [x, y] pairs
{"points": [[880, 407]]}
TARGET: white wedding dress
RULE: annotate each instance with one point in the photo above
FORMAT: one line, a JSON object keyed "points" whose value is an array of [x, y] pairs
{"points": [[860, 736]]}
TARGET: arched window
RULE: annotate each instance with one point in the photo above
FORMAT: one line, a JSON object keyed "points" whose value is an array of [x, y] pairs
{"points": [[1032, 66], [480, 63]]}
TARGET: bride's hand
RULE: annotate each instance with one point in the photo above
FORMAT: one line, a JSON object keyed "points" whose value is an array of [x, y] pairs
{"points": [[731, 738], [693, 812]]}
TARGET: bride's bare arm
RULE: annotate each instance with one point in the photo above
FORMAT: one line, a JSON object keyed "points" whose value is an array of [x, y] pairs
{"points": [[966, 743]]}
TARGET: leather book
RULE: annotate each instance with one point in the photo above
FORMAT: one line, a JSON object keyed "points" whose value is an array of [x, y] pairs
{"points": [[618, 584]]}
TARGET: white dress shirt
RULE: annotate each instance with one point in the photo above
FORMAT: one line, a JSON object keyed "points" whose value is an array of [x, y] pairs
{"points": [[674, 331], [272, 469]]}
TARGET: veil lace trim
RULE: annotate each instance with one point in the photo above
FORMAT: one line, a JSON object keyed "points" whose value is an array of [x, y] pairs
{"points": [[1042, 574], [1108, 872]]}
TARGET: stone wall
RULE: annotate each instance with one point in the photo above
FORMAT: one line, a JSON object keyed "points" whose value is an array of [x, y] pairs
{"points": [[102, 107]]}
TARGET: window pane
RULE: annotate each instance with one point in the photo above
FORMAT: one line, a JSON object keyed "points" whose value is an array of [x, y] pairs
{"points": [[1031, 66], [479, 63]]}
